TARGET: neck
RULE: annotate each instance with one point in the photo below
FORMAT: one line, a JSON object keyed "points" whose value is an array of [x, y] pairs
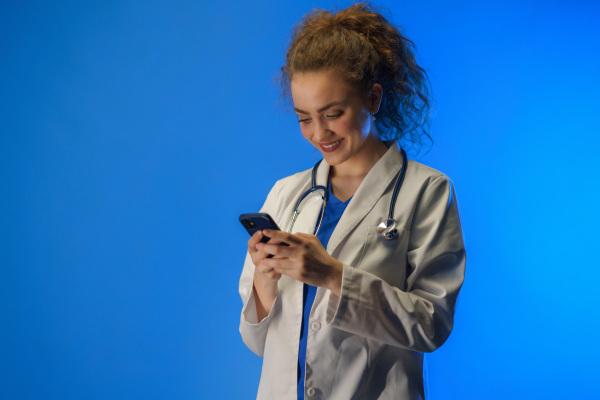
{"points": [[362, 162], [345, 178]]}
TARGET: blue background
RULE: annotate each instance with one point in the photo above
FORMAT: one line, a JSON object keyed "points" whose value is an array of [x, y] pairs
{"points": [[133, 134]]}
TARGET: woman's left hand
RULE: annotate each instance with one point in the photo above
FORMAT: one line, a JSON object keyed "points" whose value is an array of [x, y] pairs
{"points": [[304, 259]]}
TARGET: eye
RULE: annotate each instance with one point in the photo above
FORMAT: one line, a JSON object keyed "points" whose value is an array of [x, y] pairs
{"points": [[304, 120], [334, 116]]}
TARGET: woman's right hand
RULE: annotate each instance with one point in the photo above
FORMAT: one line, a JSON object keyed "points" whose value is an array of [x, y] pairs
{"points": [[265, 278], [267, 273]]}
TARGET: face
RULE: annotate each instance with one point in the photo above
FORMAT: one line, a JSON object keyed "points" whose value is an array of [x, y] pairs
{"points": [[334, 115]]}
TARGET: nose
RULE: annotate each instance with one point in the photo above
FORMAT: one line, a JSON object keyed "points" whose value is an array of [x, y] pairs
{"points": [[322, 131]]}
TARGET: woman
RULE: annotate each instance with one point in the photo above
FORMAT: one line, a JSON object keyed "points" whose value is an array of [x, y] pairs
{"points": [[341, 312]]}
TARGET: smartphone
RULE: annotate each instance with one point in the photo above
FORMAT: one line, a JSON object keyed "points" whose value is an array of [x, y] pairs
{"points": [[257, 222]]}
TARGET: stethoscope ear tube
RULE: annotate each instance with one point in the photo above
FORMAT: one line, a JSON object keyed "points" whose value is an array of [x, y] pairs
{"points": [[297, 208], [312, 189]]}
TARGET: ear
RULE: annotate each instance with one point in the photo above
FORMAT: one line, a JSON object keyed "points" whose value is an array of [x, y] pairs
{"points": [[375, 98]]}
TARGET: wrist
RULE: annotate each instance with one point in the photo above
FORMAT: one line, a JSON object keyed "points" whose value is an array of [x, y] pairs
{"points": [[335, 283], [265, 293], [265, 284]]}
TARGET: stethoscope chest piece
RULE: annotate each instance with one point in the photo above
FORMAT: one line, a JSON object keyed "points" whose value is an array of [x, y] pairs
{"points": [[387, 229]]}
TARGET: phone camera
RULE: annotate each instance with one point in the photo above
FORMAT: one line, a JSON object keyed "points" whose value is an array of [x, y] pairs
{"points": [[248, 224]]}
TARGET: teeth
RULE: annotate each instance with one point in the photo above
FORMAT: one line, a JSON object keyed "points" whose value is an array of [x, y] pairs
{"points": [[332, 144]]}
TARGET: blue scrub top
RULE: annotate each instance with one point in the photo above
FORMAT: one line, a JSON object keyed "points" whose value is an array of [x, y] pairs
{"points": [[333, 212]]}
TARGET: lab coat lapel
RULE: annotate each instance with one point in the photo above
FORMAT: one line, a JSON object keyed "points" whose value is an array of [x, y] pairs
{"points": [[369, 192]]}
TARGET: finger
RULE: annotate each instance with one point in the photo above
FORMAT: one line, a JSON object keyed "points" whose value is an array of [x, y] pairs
{"points": [[281, 236], [254, 239], [258, 254], [265, 269], [271, 275], [283, 266], [278, 250], [270, 264], [273, 241], [280, 264], [304, 235], [259, 237]]}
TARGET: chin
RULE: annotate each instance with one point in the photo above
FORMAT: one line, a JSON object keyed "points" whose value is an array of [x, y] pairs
{"points": [[334, 159]]}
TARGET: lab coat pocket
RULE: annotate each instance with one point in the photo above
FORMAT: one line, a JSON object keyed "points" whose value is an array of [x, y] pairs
{"points": [[386, 258]]}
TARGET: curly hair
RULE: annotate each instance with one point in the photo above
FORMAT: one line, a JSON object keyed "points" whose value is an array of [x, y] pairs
{"points": [[367, 49]]}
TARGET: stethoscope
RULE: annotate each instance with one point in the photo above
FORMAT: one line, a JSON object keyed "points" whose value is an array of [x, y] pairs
{"points": [[387, 228]]}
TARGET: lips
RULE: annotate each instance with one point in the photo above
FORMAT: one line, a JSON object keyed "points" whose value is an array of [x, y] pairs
{"points": [[330, 146]]}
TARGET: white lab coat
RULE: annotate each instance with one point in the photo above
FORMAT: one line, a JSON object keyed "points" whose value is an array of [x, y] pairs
{"points": [[397, 299]]}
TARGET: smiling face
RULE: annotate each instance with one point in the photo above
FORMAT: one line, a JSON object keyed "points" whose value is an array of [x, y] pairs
{"points": [[335, 117]]}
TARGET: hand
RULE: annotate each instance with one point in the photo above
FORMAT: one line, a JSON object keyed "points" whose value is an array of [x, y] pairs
{"points": [[258, 255], [304, 259], [265, 277]]}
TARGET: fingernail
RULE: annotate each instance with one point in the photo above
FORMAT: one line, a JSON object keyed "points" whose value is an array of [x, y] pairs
{"points": [[267, 232]]}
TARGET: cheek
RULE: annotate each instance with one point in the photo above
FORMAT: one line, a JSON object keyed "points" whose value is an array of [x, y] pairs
{"points": [[364, 123], [351, 126], [342, 126]]}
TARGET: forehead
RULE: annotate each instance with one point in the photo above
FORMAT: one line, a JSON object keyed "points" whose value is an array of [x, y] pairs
{"points": [[320, 87]]}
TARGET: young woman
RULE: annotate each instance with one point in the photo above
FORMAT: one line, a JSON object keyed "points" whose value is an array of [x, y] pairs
{"points": [[367, 281]]}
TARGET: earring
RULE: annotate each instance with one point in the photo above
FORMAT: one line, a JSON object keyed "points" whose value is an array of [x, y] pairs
{"points": [[373, 116]]}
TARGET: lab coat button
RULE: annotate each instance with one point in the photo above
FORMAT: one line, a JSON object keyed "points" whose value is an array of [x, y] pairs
{"points": [[311, 391], [316, 326]]}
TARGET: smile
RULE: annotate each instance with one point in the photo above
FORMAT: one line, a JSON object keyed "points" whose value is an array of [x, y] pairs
{"points": [[330, 146]]}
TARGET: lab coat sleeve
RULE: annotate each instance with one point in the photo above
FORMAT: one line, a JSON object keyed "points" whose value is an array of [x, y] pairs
{"points": [[420, 316], [254, 332]]}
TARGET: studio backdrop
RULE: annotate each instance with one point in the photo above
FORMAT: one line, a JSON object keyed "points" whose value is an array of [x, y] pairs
{"points": [[133, 134]]}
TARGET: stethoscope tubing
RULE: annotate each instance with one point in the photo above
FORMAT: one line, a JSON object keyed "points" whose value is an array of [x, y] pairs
{"points": [[398, 184], [315, 187]]}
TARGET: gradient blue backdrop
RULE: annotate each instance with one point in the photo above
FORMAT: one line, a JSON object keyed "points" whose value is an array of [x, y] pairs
{"points": [[133, 133]]}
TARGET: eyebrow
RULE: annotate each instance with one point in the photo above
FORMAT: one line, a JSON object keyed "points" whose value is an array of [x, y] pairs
{"points": [[335, 103]]}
